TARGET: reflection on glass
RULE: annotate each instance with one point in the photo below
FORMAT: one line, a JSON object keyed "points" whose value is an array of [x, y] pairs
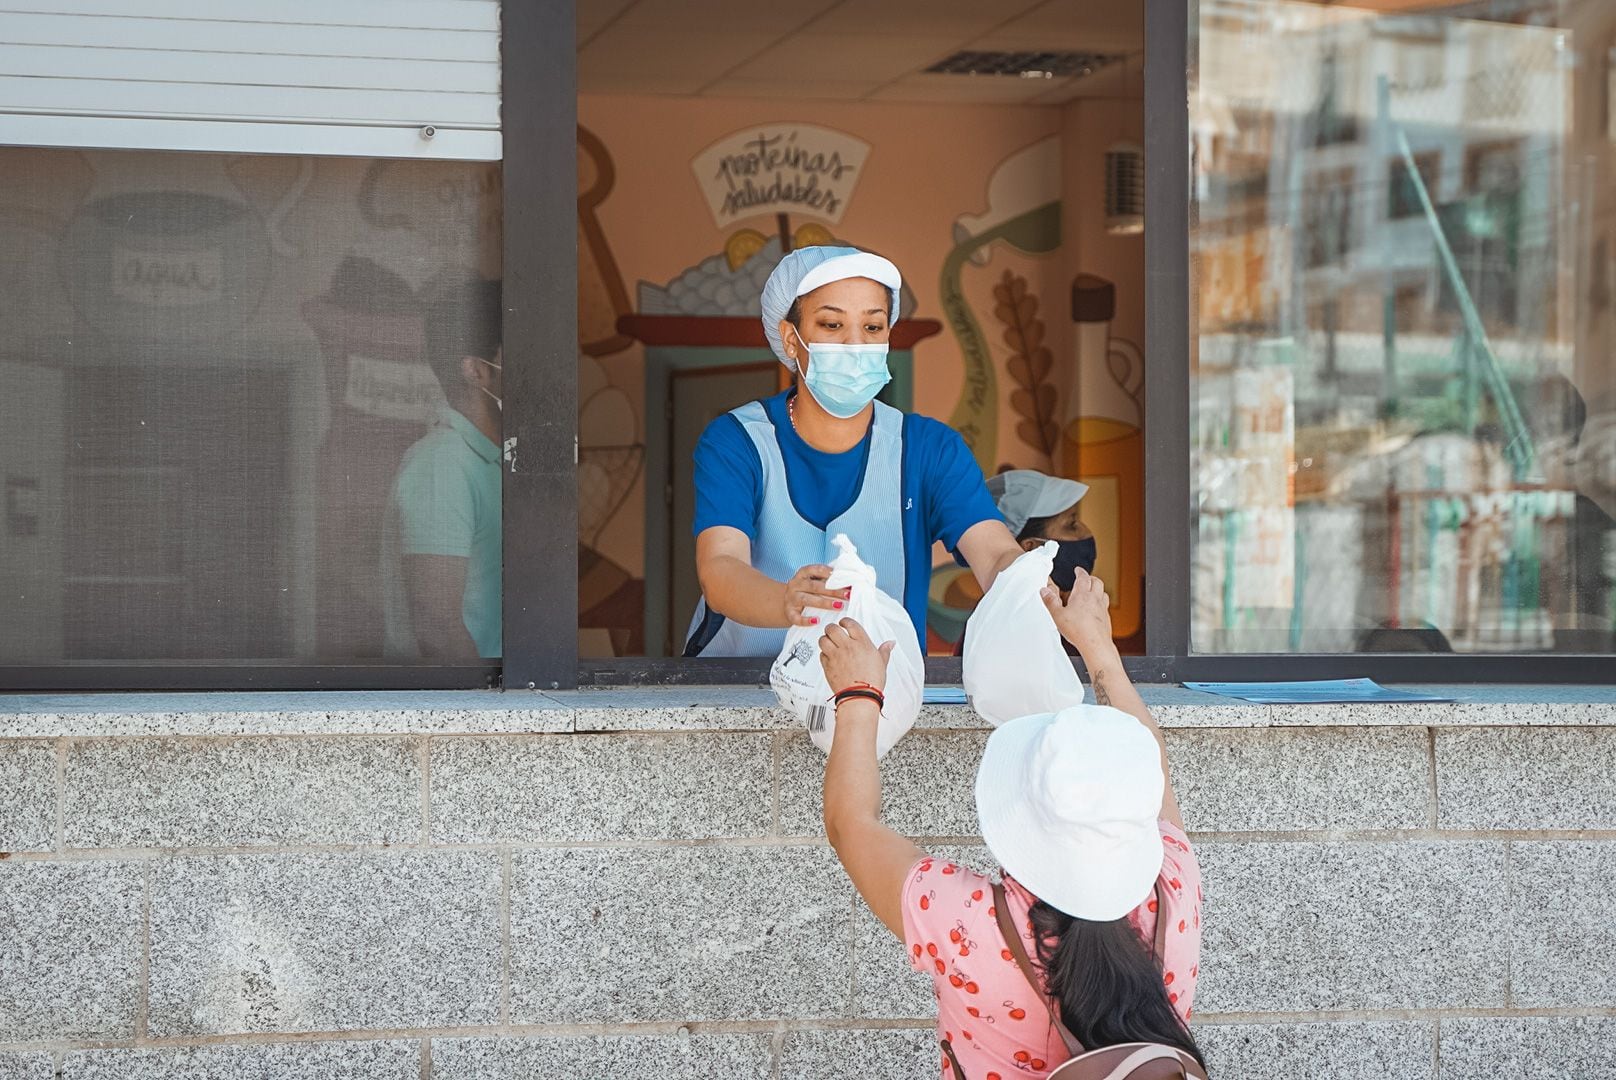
{"points": [[441, 543], [1403, 387], [211, 369]]}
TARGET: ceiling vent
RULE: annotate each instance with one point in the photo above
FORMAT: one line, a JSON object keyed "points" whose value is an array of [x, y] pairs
{"points": [[1024, 65]]}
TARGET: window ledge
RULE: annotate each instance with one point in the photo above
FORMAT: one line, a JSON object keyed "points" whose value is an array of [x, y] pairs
{"points": [[707, 708]]}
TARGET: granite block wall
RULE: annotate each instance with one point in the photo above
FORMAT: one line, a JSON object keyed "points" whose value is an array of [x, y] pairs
{"points": [[606, 889]]}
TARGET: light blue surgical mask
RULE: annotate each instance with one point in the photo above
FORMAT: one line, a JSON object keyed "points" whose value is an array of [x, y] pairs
{"points": [[844, 378]]}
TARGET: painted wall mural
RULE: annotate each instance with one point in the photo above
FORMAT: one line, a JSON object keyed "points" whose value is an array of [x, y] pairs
{"points": [[1023, 211], [973, 204], [611, 445], [780, 169], [1030, 366], [602, 300], [1103, 444]]}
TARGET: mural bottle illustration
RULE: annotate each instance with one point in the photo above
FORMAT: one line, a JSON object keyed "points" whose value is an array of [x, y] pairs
{"points": [[1024, 211], [1102, 444]]}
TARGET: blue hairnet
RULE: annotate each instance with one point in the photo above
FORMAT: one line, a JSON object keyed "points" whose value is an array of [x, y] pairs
{"points": [[785, 284]]}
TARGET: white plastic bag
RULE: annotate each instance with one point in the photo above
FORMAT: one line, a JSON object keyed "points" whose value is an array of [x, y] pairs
{"points": [[1014, 662], [798, 677]]}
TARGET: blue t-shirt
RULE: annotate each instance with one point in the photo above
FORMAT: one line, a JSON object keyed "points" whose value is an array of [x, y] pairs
{"points": [[943, 491]]}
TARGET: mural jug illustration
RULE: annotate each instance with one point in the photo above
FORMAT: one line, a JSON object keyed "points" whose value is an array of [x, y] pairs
{"points": [[602, 299], [167, 247], [1024, 211]]}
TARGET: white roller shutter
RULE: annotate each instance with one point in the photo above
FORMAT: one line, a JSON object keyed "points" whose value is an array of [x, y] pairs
{"points": [[363, 78]]}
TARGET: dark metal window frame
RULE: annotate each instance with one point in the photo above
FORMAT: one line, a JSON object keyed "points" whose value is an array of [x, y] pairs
{"points": [[539, 117]]}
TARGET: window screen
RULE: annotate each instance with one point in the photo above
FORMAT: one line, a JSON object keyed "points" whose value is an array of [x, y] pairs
{"points": [[249, 408]]}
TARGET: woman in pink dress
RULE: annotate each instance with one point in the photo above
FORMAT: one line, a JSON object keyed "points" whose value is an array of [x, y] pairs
{"points": [[1099, 881]]}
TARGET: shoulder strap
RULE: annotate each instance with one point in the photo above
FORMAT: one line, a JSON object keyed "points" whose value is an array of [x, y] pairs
{"points": [[953, 1062], [1159, 948], [1012, 941]]}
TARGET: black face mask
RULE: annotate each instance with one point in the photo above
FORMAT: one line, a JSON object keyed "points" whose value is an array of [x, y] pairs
{"points": [[1072, 554]]}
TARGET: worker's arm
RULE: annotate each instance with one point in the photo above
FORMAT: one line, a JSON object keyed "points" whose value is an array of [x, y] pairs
{"points": [[876, 858], [737, 590], [988, 548], [436, 588], [1085, 621]]}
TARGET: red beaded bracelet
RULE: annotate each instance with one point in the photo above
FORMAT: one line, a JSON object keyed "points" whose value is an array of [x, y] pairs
{"points": [[856, 686], [867, 693]]}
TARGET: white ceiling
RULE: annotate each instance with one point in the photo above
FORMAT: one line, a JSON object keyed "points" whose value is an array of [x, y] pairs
{"points": [[850, 50]]}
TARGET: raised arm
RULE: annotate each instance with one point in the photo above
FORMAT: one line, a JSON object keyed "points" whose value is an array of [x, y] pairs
{"points": [[988, 548], [875, 857], [1084, 619]]}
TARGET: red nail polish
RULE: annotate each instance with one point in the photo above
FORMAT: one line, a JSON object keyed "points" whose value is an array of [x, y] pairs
{"points": [[813, 622], [838, 605]]}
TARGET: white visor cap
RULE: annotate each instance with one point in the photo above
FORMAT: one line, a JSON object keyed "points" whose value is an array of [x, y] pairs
{"points": [[806, 269]]}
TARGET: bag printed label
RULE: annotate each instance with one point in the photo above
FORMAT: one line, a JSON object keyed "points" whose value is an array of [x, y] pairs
{"points": [[798, 678]]}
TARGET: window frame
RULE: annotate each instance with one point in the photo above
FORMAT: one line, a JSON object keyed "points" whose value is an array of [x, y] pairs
{"points": [[1171, 53], [538, 471]]}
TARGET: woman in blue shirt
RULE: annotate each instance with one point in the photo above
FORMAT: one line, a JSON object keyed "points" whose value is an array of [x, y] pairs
{"points": [[776, 479]]}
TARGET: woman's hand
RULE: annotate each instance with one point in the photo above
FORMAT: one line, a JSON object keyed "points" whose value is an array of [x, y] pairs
{"points": [[1084, 619], [849, 656], [807, 598]]}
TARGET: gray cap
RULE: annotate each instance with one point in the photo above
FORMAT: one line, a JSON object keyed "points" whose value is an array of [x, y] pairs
{"points": [[1025, 494]]}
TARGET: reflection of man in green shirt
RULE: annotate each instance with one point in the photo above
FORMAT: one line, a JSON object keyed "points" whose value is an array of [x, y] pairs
{"points": [[441, 540]]}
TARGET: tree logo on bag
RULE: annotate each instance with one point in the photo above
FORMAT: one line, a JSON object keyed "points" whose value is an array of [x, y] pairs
{"points": [[800, 654]]}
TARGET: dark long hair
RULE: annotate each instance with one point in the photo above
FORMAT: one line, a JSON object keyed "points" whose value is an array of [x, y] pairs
{"points": [[1107, 983]]}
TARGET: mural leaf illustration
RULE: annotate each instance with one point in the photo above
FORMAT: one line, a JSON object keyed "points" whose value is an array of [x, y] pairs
{"points": [[1029, 365]]}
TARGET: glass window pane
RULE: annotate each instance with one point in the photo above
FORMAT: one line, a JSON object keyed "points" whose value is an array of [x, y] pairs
{"points": [[1403, 382], [1006, 186], [247, 408]]}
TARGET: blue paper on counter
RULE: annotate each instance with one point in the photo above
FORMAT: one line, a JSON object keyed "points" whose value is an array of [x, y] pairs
{"points": [[1323, 691], [943, 695]]}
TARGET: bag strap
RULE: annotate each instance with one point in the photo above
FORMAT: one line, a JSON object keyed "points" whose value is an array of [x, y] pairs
{"points": [[1012, 941], [1159, 948], [953, 1062], [1155, 1052], [1122, 1062]]}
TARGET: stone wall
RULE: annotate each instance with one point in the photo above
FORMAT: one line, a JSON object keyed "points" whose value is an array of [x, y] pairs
{"points": [[488, 887]]}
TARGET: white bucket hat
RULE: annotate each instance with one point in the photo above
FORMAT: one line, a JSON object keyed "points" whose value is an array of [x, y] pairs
{"points": [[1068, 804]]}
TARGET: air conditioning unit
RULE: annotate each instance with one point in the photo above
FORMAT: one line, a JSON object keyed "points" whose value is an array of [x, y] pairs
{"points": [[1125, 190]]}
